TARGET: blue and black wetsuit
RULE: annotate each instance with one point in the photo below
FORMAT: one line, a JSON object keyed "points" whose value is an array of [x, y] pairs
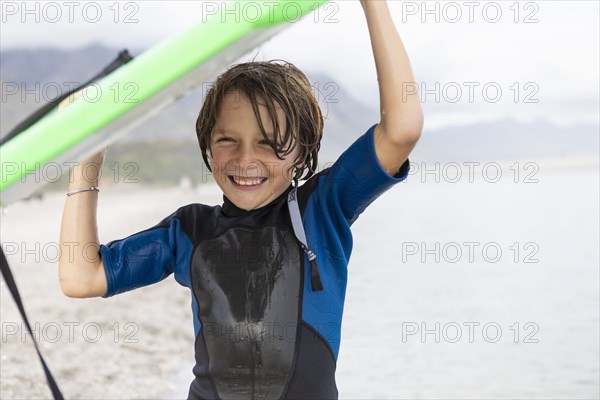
{"points": [[262, 331]]}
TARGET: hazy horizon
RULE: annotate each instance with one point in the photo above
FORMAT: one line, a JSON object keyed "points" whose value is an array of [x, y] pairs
{"points": [[527, 61]]}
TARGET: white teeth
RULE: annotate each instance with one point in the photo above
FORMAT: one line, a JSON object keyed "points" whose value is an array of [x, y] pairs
{"points": [[247, 181]]}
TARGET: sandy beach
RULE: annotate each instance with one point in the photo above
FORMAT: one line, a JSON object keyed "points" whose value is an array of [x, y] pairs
{"points": [[140, 344], [125, 347]]}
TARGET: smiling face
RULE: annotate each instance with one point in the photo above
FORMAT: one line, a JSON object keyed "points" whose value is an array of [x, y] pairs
{"points": [[243, 163]]}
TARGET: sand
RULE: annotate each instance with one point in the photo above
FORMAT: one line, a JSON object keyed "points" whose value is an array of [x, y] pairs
{"points": [[140, 345]]}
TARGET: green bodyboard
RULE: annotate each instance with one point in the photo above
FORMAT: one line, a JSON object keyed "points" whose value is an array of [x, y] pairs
{"points": [[146, 84]]}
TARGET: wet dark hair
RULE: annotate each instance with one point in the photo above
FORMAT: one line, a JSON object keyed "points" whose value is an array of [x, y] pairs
{"points": [[272, 84]]}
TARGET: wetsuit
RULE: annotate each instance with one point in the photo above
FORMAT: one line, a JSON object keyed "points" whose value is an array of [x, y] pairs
{"points": [[262, 330]]}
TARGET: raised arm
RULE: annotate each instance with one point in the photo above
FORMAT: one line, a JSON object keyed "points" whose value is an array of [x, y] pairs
{"points": [[401, 114], [80, 268]]}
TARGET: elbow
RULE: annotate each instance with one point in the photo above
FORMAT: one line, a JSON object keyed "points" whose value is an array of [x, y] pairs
{"points": [[73, 291], [68, 292], [78, 290], [80, 280], [412, 125], [405, 130], [411, 133]]}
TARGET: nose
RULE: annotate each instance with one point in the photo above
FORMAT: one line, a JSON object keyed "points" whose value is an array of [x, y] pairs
{"points": [[246, 159], [245, 153]]}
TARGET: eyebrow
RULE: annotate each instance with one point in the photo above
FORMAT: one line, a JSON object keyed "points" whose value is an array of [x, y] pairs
{"points": [[223, 131], [220, 130]]}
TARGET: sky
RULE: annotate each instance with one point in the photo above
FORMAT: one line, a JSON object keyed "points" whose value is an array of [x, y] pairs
{"points": [[474, 61]]}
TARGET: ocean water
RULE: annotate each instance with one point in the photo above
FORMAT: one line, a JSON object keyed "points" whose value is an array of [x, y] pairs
{"points": [[474, 290]]}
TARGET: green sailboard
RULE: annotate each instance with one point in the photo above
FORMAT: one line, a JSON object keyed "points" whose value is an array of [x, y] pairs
{"points": [[160, 76]]}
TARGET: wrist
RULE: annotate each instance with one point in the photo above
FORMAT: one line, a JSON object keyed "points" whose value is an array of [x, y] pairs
{"points": [[369, 6], [83, 190], [85, 175]]}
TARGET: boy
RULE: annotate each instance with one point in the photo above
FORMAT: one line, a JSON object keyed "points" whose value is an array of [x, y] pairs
{"points": [[267, 270]]}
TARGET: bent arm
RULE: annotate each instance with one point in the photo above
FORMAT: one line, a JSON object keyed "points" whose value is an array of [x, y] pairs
{"points": [[80, 268], [401, 113]]}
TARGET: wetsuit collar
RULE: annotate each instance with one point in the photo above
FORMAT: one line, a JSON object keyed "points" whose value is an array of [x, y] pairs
{"points": [[290, 195], [232, 210]]}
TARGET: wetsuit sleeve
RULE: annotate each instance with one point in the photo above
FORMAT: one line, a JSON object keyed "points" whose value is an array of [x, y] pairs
{"points": [[357, 178], [143, 258]]}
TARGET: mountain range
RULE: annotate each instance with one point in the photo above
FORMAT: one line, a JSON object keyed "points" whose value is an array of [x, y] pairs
{"points": [[30, 77]]}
